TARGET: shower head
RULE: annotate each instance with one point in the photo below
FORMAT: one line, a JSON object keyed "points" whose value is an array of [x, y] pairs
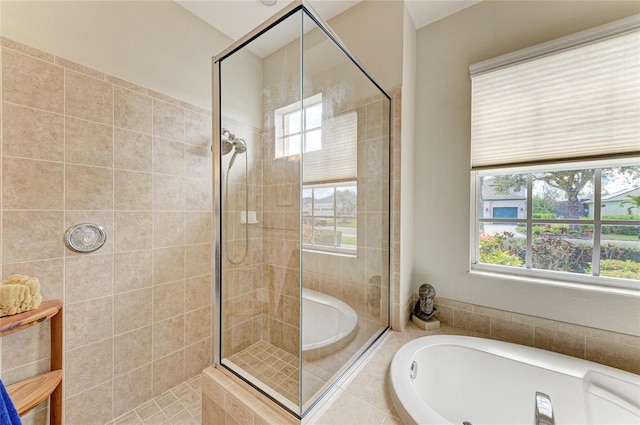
{"points": [[240, 147], [230, 142], [225, 144], [226, 147]]}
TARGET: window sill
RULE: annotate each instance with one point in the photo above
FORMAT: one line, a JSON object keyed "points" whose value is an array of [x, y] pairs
{"points": [[590, 284]]}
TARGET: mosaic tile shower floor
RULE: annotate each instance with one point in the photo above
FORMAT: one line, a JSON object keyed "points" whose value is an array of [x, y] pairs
{"points": [[278, 369]]}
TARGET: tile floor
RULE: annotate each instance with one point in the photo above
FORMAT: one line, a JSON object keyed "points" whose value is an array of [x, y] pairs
{"points": [[363, 398], [279, 370], [181, 405]]}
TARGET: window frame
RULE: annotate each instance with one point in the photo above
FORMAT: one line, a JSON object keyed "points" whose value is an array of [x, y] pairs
{"points": [[549, 276]]}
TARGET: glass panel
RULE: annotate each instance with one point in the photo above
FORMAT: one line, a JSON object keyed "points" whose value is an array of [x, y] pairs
{"points": [[503, 244], [323, 201], [563, 194], [621, 193], [503, 196], [307, 201], [292, 145], [313, 140], [349, 176], [313, 116], [261, 325], [620, 252], [347, 217], [292, 123], [562, 247], [271, 335]]}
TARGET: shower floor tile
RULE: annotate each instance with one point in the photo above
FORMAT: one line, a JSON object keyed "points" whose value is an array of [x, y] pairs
{"points": [[278, 369]]}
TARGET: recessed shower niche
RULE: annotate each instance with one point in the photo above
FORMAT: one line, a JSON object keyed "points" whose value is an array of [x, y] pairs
{"points": [[302, 208]]}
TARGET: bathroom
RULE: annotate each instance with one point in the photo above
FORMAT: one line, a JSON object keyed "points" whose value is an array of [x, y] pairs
{"points": [[138, 74]]}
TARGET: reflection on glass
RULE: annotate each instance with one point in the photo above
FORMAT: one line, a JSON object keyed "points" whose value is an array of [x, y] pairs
{"points": [[329, 217], [313, 116], [318, 170], [620, 252], [562, 247], [503, 244], [292, 123], [563, 194], [313, 140]]}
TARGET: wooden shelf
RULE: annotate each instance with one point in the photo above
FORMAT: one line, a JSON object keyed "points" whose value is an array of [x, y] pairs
{"points": [[27, 394], [20, 321]]}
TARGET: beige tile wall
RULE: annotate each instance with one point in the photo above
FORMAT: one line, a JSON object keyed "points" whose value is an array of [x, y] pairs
{"points": [[243, 294], [614, 349], [82, 146]]}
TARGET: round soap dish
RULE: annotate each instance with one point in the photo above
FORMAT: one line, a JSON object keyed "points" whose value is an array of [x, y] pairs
{"points": [[85, 237]]}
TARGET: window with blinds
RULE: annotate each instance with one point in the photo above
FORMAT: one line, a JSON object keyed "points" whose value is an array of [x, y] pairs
{"points": [[555, 159], [337, 160], [329, 143], [328, 148], [573, 98]]}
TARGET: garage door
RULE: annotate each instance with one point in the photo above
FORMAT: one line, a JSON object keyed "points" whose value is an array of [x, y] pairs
{"points": [[505, 212]]}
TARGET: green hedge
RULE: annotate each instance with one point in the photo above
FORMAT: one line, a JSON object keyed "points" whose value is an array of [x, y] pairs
{"points": [[549, 216], [618, 268], [553, 252]]}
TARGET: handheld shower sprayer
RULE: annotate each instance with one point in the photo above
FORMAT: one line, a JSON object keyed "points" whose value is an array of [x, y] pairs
{"points": [[229, 142], [240, 147]]}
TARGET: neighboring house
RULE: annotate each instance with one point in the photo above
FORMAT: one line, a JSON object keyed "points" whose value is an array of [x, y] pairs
{"points": [[562, 208], [494, 205], [323, 206], [611, 203]]}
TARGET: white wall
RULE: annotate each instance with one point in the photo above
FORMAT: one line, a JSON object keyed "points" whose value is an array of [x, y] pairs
{"points": [[155, 44], [242, 88], [372, 31], [445, 49], [406, 160]]}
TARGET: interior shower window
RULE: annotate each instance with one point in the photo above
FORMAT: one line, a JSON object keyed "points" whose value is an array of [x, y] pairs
{"points": [[296, 126], [543, 221], [330, 217]]}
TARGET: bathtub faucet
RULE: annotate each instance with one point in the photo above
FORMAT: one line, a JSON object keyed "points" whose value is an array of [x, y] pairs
{"points": [[544, 410]]}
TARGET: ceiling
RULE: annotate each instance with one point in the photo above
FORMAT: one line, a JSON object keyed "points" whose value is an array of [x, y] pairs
{"points": [[235, 18]]}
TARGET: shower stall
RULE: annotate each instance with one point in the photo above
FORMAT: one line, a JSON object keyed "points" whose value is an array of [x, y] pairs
{"points": [[301, 209]]}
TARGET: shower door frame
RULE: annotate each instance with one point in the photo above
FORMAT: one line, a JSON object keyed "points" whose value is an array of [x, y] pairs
{"points": [[216, 340]]}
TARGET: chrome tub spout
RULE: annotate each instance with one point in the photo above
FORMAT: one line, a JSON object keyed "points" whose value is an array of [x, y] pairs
{"points": [[544, 410]]}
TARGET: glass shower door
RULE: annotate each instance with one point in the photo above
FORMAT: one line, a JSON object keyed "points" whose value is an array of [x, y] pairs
{"points": [[345, 211], [302, 209]]}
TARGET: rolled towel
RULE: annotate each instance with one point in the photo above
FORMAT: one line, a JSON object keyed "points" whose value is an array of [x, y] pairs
{"points": [[8, 413], [19, 293]]}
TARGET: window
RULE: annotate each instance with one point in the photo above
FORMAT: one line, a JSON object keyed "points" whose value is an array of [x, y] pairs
{"points": [[298, 126], [555, 159], [582, 221], [329, 217], [329, 162]]}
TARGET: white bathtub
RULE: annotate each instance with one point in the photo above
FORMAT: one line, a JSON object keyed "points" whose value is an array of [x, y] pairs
{"points": [[328, 324], [491, 382]]}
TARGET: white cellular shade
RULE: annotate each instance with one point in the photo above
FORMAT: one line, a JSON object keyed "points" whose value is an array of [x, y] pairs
{"points": [[338, 158], [582, 102]]}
